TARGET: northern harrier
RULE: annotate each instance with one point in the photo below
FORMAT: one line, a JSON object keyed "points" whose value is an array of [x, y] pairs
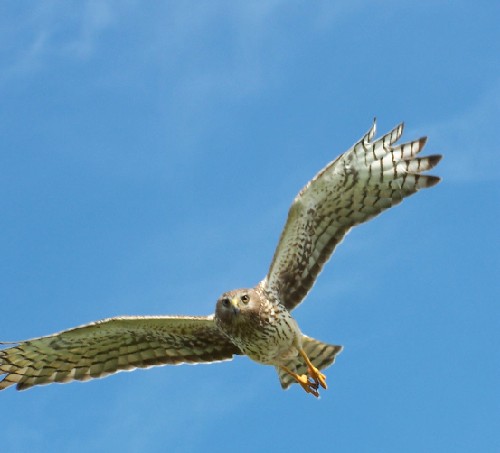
{"points": [[367, 179]]}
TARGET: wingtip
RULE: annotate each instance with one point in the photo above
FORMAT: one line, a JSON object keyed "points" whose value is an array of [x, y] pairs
{"points": [[434, 159], [367, 138], [431, 181]]}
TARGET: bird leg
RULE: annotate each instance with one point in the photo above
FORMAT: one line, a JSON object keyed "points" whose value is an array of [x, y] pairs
{"points": [[317, 376], [310, 386]]}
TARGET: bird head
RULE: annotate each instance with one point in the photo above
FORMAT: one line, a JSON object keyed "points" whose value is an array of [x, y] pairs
{"points": [[237, 305]]}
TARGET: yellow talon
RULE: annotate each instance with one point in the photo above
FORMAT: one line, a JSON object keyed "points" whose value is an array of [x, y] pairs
{"points": [[310, 381], [310, 386], [317, 376]]}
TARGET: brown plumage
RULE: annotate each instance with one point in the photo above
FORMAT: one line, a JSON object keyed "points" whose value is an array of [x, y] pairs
{"points": [[370, 177]]}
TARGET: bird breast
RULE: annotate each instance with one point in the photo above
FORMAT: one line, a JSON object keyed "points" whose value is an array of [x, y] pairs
{"points": [[268, 337]]}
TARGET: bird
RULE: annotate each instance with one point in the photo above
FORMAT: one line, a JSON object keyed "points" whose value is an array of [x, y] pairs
{"points": [[370, 177]]}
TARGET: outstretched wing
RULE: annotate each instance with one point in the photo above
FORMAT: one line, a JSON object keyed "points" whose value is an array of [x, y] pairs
{"points": [[105, 347], [367, 179]]}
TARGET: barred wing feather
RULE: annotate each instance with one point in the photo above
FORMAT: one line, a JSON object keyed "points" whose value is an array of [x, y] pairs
{"points": [[105, 347], [370, 177]]}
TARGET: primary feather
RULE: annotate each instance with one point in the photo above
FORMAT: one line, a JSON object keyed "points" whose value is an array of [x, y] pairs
{"points": [[104, 347], [370, 177]]}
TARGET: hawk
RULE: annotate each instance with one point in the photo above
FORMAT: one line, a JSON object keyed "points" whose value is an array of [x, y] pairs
{"points": [[257, 322]]}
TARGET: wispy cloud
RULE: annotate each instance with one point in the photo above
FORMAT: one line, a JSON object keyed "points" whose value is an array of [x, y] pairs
{"points": [[53, 29], [178, 40], [469, 139], [92, 19], [255, 46]]}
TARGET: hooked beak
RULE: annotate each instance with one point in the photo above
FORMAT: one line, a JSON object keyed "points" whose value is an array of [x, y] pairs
{"points": [[235, 306]]}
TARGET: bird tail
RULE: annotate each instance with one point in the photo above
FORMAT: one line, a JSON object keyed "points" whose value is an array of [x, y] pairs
{"points": [[322, 355]]}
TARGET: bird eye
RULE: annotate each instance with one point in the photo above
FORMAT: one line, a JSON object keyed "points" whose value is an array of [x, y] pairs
{"points": [[225, 303], [245, 298]]}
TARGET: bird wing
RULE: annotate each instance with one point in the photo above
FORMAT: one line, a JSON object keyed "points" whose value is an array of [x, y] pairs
{"points": [[370, 177], [104, 347]]}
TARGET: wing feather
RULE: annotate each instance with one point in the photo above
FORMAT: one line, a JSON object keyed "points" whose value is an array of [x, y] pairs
{"points": [[104, 347], [370, 177]]}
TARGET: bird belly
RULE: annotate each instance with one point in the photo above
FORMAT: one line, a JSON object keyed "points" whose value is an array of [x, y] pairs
{"points": [[272, 343]]}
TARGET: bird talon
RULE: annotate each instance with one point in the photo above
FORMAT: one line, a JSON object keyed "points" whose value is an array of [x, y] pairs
{"points": [[318, 377], [310, 387]]}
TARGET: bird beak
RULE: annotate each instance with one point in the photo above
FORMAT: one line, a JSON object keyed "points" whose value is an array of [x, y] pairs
{"points": [[234, 303]]}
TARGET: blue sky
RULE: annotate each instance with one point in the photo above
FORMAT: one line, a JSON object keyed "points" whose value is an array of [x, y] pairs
{"points": [[150, 153]]}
